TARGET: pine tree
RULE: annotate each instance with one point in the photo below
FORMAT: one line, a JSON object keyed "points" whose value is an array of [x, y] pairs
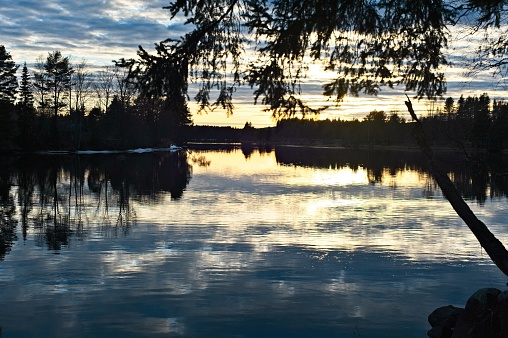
{"points": [[8, 86], [26, 96], [26, 113], [58, 79], [8, 81], [55, 81]]}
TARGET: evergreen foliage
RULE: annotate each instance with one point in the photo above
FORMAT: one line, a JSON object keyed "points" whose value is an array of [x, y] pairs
{"points": [[367, 44], [27, 119], [8, 88], [8, 81], [58, 71], [26, 97]]}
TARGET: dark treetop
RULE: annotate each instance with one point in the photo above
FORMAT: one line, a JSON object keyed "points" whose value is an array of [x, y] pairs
{"points": [[270, 44]]}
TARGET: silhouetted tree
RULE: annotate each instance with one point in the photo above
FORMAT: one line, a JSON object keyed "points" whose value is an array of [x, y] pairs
{"points": [[174, 114], [481, 121], [449, 105], [375, 121], [56, 82], [82, 82], [8, 81], [376, 116], [368, 45], [168, 96], [473, 119], [58, 72], [26, 96], [124, 88], [8, 87], [26, 112], [498, 138], [40, 85], [115, 122]]}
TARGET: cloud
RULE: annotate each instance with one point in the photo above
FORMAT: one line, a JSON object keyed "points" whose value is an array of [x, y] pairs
{"points": [[96, 30]]}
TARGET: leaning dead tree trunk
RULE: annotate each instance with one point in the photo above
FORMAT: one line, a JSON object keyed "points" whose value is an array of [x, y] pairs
{"points": [[493, 247]]}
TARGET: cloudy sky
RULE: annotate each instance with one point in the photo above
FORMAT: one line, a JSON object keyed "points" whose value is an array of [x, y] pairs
{"points": [[100, 31], [97, 30]]}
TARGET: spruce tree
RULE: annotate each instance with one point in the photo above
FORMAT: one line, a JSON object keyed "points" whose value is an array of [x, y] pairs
{"points": [[26, 96], [26, 113], [8, 86], [8, 81]]}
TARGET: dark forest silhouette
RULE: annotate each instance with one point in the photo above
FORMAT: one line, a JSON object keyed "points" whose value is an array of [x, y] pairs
{"points": [[470, 123], [51, 109], [47, 111]]}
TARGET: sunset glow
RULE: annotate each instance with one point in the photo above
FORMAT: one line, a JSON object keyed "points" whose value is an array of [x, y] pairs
{"points": [[101, 32]]}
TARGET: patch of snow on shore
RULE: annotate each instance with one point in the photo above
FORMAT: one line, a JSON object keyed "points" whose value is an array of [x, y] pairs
{"points": [[131, 151]]}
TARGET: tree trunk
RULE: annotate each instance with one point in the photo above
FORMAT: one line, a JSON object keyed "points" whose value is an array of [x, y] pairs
{"points": [[494, 248]]}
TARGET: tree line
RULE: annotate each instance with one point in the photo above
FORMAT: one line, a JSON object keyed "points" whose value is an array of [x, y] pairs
{"points": [[49, 109], [61, 105], [472, 122]]}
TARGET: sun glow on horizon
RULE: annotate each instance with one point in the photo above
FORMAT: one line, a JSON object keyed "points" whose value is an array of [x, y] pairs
{"points": [[112, 30]]}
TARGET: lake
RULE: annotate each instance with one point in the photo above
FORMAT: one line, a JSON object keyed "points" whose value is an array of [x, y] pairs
{"points": [[229, 241]]}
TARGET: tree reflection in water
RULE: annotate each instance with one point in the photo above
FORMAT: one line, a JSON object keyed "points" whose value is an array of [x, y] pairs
{"points": [[477, 177], [7, 217], [57, 196]]}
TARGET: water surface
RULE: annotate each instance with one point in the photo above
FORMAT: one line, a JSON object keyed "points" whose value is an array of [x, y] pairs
{"points": [[285, 242]]}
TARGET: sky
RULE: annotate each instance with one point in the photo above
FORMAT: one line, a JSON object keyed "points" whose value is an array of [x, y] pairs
{"points": [[100, 31]]}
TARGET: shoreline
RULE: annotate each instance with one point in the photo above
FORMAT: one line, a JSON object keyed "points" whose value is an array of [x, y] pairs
{"points": [[311, 143], [328, 145]]}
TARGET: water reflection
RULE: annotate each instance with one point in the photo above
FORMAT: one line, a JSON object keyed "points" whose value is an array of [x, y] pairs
{"points": [[477, 177], [290, 242], [378, 163], [7, 217], [58, 196]]}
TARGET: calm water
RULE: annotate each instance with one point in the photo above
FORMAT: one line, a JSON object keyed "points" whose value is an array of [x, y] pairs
{"points": [[285, 242]]}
